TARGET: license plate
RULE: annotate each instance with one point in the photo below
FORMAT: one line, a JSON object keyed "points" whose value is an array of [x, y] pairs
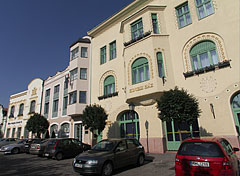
{"points": [[33, 147], [201, 164], [46, 154], [78, 165]]}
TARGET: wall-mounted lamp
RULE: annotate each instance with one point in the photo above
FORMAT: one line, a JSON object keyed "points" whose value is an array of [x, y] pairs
{"points": [[212, 110]]}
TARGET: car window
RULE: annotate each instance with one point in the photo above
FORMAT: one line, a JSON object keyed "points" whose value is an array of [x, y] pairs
{"points": [[226, 146], [204, 149], [103, 146], [132, 143], [52, 142], [121, 146], [66, 142]]}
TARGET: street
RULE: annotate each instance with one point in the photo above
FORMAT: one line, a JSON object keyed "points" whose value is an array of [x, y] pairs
{"points": [[32, 165]]}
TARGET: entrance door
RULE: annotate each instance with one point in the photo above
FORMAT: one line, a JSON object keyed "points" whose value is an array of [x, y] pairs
{"points": [[172, 133], [235, 103], [78, 131]]}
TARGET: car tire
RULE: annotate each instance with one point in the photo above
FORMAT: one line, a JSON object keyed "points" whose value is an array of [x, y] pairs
{"points": [[59, 156], [140, 160], [107, 169], [15, 151]]}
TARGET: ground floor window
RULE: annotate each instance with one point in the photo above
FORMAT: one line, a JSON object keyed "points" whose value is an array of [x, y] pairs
{"points": [[78, 131], [129, 125], [64, 132], [13, 132], [235, 104], [8, 133], [54, 131], [19, 132]]}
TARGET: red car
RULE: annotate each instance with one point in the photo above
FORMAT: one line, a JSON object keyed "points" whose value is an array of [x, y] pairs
{"points": [[206, 156]]}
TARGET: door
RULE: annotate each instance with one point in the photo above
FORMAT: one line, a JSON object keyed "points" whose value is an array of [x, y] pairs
{"points": [[121, 154], [235, 104], [78, 131]]}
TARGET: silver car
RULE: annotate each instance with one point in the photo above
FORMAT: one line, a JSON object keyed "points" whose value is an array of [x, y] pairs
{"points": [[14, 148], [7, 141]]}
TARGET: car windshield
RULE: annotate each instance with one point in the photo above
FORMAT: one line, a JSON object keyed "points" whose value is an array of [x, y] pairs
{"points": [[103, 146], [2, 140], [21, 142], [204, 149]]}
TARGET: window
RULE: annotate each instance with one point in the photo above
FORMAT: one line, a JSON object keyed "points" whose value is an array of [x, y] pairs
{"points": [[140, 70], [203, 54], [83, 73], [72, 97], [113, 52], [74, 53], [204, 8], [12, 111], [21, 109], [66, 84], [8, 133], [65, 130], [73, 74], [103, 55], [183, 15], [84, 52], [137, 29], [47, 94], [82, 97], [56, 89], [109, 85], [13, 132], [55, 108], [65, 103], [32, 106], [155, 23], [19, 132], [161, 72], [46, 109]]}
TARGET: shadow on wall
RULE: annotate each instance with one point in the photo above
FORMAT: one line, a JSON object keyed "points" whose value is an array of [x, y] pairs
{"points": [[204, 133], [114, 130]]}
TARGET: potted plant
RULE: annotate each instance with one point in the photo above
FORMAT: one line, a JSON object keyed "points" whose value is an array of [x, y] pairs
{"points": [[199, 71], [210, 68], [188, 74]]}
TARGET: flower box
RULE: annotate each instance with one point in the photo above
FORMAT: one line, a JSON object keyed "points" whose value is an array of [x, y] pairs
{"points": [[188, 74]]}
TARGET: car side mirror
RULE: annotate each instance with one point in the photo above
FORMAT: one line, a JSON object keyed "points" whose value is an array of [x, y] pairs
{"points": [[235, 149]]}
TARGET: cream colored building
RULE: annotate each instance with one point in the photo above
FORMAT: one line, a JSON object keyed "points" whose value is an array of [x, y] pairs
{"points": [[152, 46], [21, 106], [66, 94]]}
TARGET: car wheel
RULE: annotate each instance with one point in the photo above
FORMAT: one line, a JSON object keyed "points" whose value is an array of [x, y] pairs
{"points": [[107, 169], [59, 156], [15, 150], [140, 160]]}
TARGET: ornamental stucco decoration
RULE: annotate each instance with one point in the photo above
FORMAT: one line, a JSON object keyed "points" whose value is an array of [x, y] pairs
{"points": [[104, 76], [208, 84], [150, 64], [205, 36]]}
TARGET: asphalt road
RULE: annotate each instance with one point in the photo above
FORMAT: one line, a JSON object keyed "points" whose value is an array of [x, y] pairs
{"points": [[32, 165]]}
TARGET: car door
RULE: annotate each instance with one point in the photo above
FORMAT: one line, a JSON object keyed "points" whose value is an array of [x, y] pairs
{"points": [[121, 154], [76, 147], [133, 151], [66, 147]]}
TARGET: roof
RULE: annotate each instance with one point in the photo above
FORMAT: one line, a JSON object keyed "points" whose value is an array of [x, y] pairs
{"points": [[204, 139], [81, 40]]}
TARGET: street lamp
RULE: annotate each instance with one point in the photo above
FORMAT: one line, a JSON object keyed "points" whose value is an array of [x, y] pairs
{"points": [[131, 108]]}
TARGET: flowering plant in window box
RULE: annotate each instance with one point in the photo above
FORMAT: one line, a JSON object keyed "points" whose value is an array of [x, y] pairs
{"points": [[225, 63], [188, 74], [210, 68], [199, 71]]}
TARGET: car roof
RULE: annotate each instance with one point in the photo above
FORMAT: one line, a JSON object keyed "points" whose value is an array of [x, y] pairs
{"points": [[204, 139]]}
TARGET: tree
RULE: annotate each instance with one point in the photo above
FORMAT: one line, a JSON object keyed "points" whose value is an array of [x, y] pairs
{"points": [[37, 124], [179, 106], [94, 118]]}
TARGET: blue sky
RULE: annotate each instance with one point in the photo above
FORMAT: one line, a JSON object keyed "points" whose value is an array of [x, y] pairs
{"points": [[35, 36]]}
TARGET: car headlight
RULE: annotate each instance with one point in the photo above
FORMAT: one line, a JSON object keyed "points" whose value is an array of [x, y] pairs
{"points": [[92, 162], [74, 161]]}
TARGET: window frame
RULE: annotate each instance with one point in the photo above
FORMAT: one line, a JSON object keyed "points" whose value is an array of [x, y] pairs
{"points": [[21, 109], [72, 97], [160, 62], [139, 29], [103, 55], [203, 4], [84, 54], [108, 84], [112, 50], [32, 109], [183, 14], [74, 74], [155, 23], [82, 98], [85, 74], [74, 53], [137, 68]]}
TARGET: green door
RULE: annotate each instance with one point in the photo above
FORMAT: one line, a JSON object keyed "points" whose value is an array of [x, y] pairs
{"points": [[172, 133], [235, 104]]}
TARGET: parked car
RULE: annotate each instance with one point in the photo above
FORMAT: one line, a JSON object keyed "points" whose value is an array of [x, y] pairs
{"points": [[64, 147], [206, 156], [14, 148], [38, 147], [31, 141], [7, 141], [109, 154]]}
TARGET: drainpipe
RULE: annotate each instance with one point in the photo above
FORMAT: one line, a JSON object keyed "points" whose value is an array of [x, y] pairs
{"points": [[41, 99]]}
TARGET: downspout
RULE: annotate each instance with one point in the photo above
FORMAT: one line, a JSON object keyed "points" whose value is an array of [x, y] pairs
{"points": [[41, 99]]}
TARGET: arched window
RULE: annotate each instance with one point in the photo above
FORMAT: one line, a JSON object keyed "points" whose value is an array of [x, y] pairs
{"points": [[54, 131], [109, 85], [65, 130], [12, 111], [21, 107], [161, 71], [203, 54], [140, 70], [32, 106]]}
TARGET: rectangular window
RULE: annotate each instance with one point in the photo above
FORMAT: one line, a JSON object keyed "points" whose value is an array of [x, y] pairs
{"points": [[19, 132], [74, 53], [46, 109], [65, 103], [47, 94], [73, 97], [66, 84], [83, 73], [137, 29], [161, 72], [204, 8], [56, 89], [113, 51], [13, 132], [8, 133], [84, 52], [55, 108], [103, 55], [73, 74], [82, 97], [155, 23], [183, 15]]}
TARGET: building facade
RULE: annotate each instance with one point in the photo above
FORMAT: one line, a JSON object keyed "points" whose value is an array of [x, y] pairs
{"points": [[21, 107], [66, 94], [3, 119], [150, 47]]}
